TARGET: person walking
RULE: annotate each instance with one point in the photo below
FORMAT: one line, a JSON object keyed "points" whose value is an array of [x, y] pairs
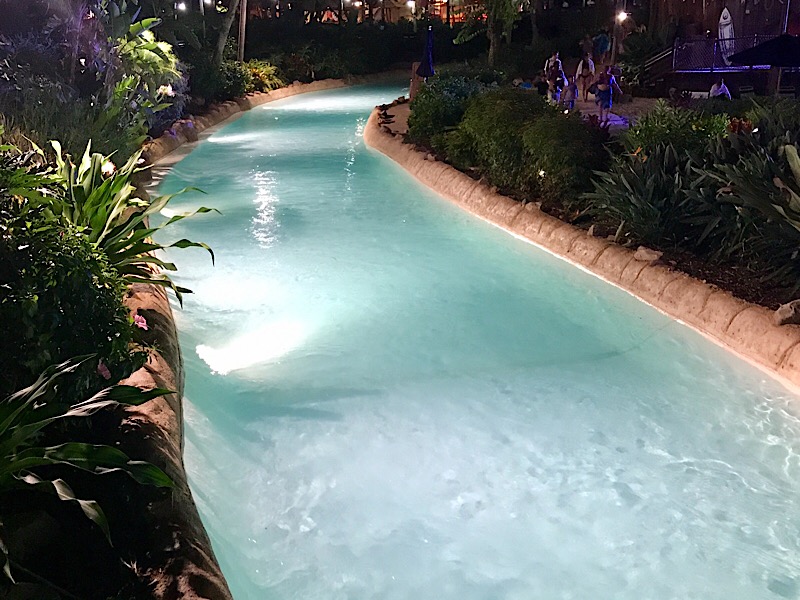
{"points": [[569, 95], [584, 75], [606, 83], [556, 82]]}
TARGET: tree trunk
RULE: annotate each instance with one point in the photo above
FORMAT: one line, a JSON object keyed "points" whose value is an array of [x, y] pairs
{"points": [[494, 34], [653, 17], [536, 7], [224, 31]]}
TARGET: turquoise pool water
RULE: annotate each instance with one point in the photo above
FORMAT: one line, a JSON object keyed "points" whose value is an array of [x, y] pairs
{"points": [[389, 399]]}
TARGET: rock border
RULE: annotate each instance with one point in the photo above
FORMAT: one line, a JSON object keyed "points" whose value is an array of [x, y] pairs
{"points": [[744, 328], [188, 130], [193, 572]]}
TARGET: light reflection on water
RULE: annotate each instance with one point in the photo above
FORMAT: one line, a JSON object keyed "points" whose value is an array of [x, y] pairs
{"points": [[389, 399]]}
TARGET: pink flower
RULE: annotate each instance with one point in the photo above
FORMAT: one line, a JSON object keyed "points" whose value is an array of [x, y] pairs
{"points": [[103, 371], [140, 322]]}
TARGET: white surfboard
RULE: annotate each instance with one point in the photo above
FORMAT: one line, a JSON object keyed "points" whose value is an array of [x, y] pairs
{"points": [[726, 34]]}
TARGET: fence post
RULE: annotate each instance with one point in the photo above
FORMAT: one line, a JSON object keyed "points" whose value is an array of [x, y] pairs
{"points": [[714, 55]]}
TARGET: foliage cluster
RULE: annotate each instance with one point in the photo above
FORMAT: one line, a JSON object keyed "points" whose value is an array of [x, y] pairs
{"points": [[440, 105], [521, 143], [724, 195], [87, 75], [263, 76], [72, 237], [685, 130]]}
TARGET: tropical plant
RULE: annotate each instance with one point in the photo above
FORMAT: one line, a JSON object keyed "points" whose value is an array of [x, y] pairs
{"points": [[644, 193], [770, 186], [263, 76], [26, 464], [496, 19], [62, 297], [685, 130], [99, 200]]}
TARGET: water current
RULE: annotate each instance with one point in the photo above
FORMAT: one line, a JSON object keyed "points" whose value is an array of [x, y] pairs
{"points": [[387, 398]]}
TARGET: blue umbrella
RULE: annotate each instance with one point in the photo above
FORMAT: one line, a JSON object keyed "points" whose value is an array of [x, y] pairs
{"points": [[425, 68]]}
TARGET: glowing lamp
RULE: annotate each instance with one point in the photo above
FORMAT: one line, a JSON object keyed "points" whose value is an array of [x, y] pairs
{"points": [[621, 16]]}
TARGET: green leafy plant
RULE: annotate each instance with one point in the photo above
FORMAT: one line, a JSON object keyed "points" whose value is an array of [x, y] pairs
{"points": [[440, 105], [456, 147], [263, 76], [494, 123], [99, 200], [643, 192], [62, 297], [25, 464], [768, 185], [560, 153], [684, 129], [236, 78]]}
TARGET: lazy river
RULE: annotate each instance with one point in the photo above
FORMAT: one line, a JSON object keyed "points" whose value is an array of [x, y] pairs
{"points": [[387, 398]]}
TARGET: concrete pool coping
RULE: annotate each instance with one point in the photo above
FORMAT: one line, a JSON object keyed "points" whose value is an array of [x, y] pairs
{"points": [[741, 327], [193, 572]]}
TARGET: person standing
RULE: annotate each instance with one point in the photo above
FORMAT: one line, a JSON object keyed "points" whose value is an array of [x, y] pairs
{"points": [[606, 83], [584, 75], [554, 62]]}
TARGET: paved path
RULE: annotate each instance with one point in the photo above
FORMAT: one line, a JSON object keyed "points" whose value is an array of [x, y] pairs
{"points": [[623, 115]]}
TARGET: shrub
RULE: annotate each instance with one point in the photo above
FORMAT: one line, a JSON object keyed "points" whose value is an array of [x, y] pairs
{"points": [[176, 94], [737, 108], [643, 191], [27, 464], [235, 79], [776, 117], [439, 106], [457, 147], [494, 123], [263, 76], [62, 298], [560, 153], [684, 129]]}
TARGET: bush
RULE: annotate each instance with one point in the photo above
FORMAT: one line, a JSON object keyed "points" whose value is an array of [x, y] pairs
{"points": [[644, 193], [176, 95], [63, 300], [560, 153], [684, 129], [235, 79], [439, 106], [457, 147], [263, 76], [765, 186], [494, 123]]}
